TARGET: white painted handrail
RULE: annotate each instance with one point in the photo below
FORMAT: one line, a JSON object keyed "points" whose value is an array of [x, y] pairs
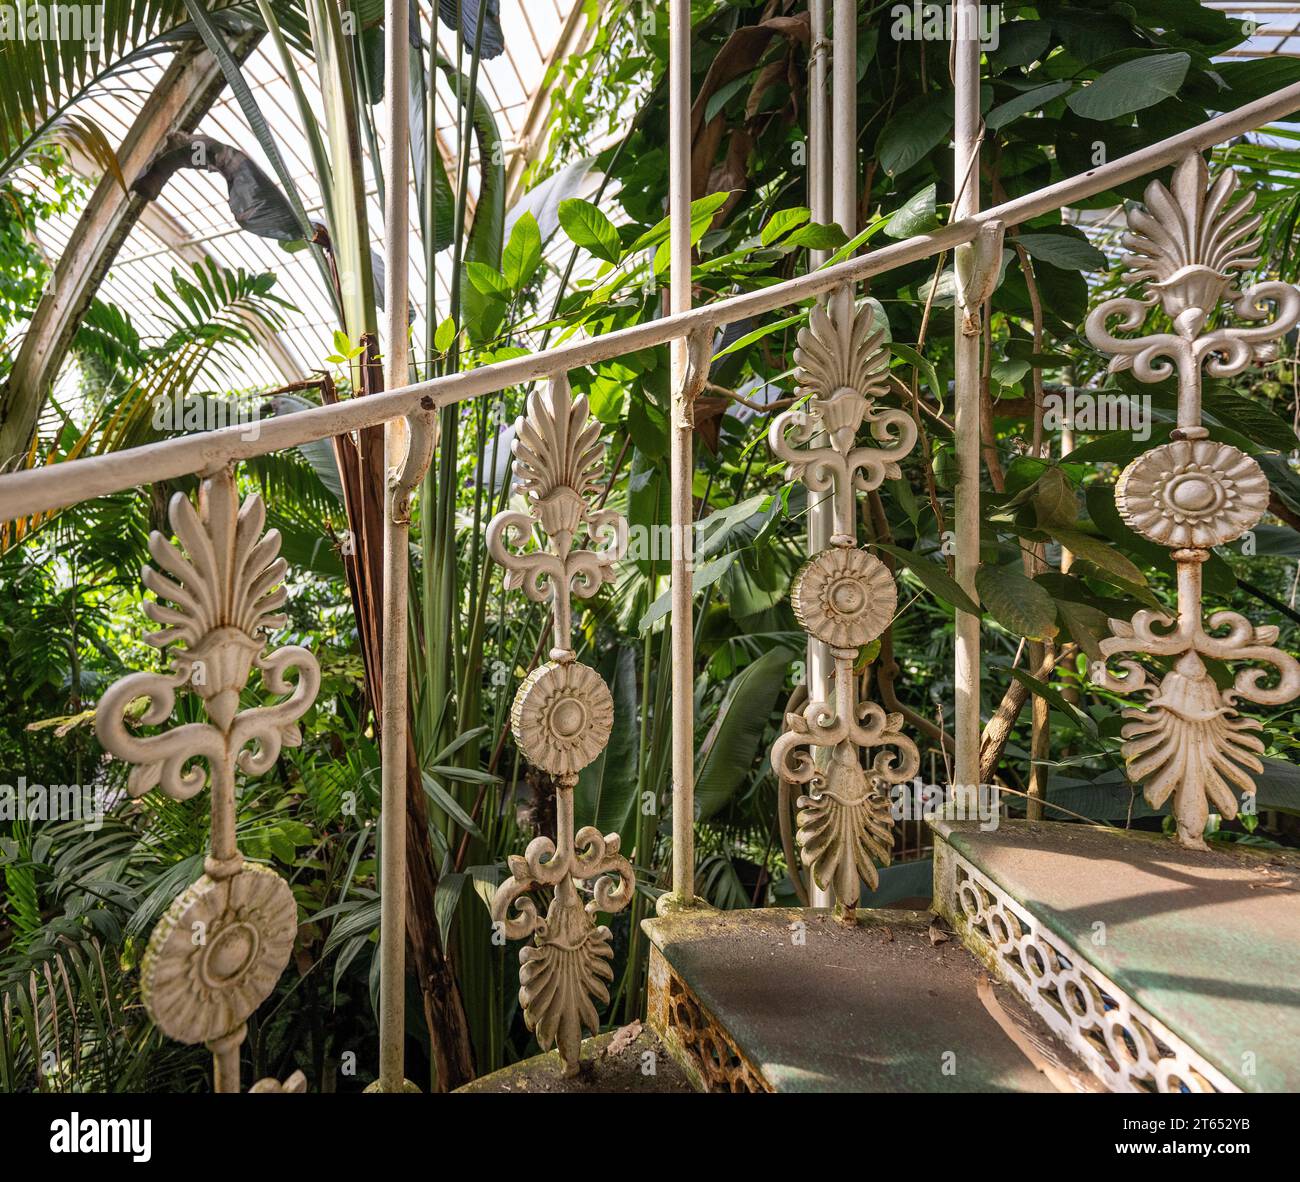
{"points": [[42, 489]]}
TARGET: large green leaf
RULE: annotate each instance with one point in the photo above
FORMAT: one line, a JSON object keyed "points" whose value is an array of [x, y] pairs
{"points": [[1019, 604], [588, 227], [1054, 499], [1054, 697], [704, 575], [1111, 795], [933, 577], [915, 130], [522, 253], [915, 216], [902, 880], [1087, 625], [1064, 248], [1104, 557], [1252, 418], [1251, 80], [606, 792], [1026, 101], [731, 748], [1131, 86]]}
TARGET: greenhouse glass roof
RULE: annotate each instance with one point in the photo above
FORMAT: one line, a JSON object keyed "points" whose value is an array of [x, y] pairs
{"points": [[191, 221]]}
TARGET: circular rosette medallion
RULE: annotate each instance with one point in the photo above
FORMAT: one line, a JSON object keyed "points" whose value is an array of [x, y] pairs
{"points": [[562, 717], [217, 953], [1195, 493], [844, 596]]}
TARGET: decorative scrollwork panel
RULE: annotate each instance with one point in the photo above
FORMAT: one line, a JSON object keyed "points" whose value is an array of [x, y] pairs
{"points": [[1123, 1044], [562, 718], [845, 598], [1188, 744], [219, 949]]}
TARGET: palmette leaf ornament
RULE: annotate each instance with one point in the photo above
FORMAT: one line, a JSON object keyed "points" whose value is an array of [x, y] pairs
{"points": [[561, 719], [1188, 744], [843, 598], [840, 365], [1187, 248], [295, 1084], [558, 458], [219, 949]]}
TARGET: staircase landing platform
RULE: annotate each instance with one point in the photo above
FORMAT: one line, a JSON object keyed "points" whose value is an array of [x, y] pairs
{"points": [[791, 1000]]}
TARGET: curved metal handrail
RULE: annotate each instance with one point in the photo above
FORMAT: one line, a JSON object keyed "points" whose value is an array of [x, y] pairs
{"points": [[43, 489]]}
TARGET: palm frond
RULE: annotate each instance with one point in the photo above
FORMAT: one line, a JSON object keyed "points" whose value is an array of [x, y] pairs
{"points": [[44, 77]]}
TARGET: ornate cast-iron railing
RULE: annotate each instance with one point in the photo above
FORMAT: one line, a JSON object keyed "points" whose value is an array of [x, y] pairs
{"points": [[222, 944], [219, 949]]}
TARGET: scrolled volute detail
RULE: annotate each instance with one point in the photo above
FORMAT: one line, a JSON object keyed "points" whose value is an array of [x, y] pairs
{"points": [[224, 598], [1188, 247], [845, 819]]}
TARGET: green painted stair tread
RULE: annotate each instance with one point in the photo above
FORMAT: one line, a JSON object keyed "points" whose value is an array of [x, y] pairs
{"points": [[1208, 942], [621, 1068], [877, 1007]]}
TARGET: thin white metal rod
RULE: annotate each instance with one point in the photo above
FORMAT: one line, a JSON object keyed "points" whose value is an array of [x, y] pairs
{"points": [[966, 422], [844, 212], [393, 715], [821, 203], [844, 116], [681, 454], [819, 149], [39, 490]]}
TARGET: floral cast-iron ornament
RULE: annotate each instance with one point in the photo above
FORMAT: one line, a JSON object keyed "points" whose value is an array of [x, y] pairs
{"points": [[1188, 744], [219, 949], [845, 598], [562, 718]]}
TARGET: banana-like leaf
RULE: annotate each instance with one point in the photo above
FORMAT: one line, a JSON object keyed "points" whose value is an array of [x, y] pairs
{"points": [[731, 748], [606, 793], [349, 231], [256, 204], [469, 11], [486, 235]]}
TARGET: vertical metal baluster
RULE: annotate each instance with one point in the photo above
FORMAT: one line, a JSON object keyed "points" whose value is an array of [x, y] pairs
{"points": [[681, 458], [561, 718], [966, 349], [393, 717], [819, 151]]}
